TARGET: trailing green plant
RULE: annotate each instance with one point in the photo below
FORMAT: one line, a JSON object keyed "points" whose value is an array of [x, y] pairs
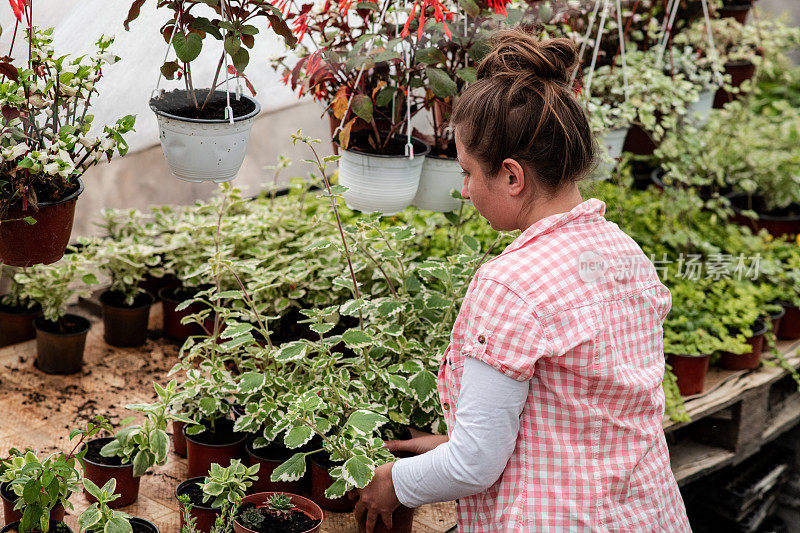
{"points": [[99, 517]]}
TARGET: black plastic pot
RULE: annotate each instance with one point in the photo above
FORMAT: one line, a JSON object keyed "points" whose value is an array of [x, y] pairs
{"points": [[16, 324], [126, 325], [55, 527], [61, 352], [140, 525]]}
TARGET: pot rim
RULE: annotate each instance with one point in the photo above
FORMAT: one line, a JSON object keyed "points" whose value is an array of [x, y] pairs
{"points": [[242, 118], [779, 314], [739, 63], [52, 203], [736, 7], [760, 331], [438, 158], [196, 480], [688, 356], [101, 465], [253, 452], [151, 299], [761, 216], [53, 523], [388, 156], [189, 438], [3, 487], [38, 319], [261, 497], [145, 522]]}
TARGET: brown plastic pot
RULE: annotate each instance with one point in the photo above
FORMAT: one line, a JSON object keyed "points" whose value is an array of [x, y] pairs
{"points": [[205, 516], [55, 527], [402, 522], [738, 12], [775, 319], [141, 525], [200, 455], [12, 515], [99, 474], [321, 480], [790, 324], [153, 284], [178, 440], [751, 359], [16, 324], [777, 223], [173, 329], [126, 325], [61, 353], [304, 505], [23, 244], [639, 142], [740, 71], [270, 458], [690, 372]]}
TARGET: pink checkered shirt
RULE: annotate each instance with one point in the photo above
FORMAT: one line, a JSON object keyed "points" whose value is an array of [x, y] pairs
{"points": [[574, 306]]}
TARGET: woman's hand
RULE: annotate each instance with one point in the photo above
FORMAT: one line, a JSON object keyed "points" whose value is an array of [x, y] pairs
{"points": [[377, 499], [417, 445]]}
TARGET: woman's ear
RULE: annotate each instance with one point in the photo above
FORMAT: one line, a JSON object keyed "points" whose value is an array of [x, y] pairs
{"points": [[513, 176]]}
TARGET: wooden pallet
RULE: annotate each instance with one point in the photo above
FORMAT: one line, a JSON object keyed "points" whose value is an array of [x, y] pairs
{"points": [[739, 413]]}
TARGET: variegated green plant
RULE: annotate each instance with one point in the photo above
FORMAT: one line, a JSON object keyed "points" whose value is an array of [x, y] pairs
{"points": [[99, 517]]}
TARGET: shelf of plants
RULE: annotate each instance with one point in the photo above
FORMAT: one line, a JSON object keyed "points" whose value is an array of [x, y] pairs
{"points": [[295, 334]]}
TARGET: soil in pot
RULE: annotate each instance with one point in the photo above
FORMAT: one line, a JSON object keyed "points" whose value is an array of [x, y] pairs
{"points": [[60, 345], [100, 469], [396, 146], [321, 480], [790, 324], [126, 325], [690, 371], [171, 297], [294, 521], [140, 525], [204, 515], [16, 324], [179, 103], [402, 522], [271, 457], [220, 446], [750, 360]]}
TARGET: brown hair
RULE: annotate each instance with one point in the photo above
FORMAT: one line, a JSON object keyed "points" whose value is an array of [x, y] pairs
{"points": [[522, 107]]}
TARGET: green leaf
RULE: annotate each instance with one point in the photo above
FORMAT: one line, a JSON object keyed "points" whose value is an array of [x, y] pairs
{"points": [[423, 384], [434, 300], [207, 405], [471, 242], [29, 220], [470, 7], [141, 462], [351, 307], [384, 96], [291, 470], [390, 308], [291, 351], [241, 59], [111, 449], [159, 444], [356, 338], [118, 524], [468, 74], [90, 279], [319, 245], [251, 382], [187, 47], [365, 422], [232, 44], [358, 470], [91, 488], [399, 382], [431, 56], [336, 490], [440, 82], [297, 436], [362, 106], [89, 518]]}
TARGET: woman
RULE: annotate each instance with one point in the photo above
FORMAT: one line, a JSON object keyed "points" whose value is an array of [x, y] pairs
{"points": [[551, 386]]}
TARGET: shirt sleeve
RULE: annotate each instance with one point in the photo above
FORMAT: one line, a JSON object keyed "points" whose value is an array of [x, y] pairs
{"points": [[482, 441], [504, 331]]}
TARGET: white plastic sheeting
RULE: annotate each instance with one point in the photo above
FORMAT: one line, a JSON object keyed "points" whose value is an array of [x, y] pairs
{"points": [[126, 86]]}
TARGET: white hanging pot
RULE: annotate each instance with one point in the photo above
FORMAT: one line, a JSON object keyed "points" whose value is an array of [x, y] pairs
{"points": [[700, 110], [440, 175], [613, 140], [381, 183], [201, 149]]}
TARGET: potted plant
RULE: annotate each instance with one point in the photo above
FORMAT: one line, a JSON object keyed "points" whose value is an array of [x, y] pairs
{"points": [[17, 313], [47, 145], [737, 9], [60, 336], [279, 512], [204, 132], [704, 72], [204, 500], [101, 517]]}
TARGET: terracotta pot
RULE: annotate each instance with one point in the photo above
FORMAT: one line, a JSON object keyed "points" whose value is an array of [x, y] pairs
{"points": [[12, 515], [178, 440], [126, 325], [777, 223], [690, 371], [790, 324], [738, 12], [740, 71], [205, 516], [321, 480], [305, 505], [172, 326], [270, 458], [750, 360], [402, 522], [16, 324], [55, 527], [775, 320], [61, 353], [142, 525], [639, 142], [200, 455], [99, 474], [23, 244]]}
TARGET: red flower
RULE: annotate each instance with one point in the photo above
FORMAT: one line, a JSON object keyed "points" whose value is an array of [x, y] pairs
{"points": [[18, 7], [499, 6], [440, 14]]}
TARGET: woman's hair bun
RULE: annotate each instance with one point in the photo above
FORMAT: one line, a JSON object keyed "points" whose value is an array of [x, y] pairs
{"points": [[518, 55]]}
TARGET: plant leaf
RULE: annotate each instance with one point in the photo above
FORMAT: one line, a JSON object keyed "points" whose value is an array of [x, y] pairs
{"points": [[290, 470], [358, 470]]}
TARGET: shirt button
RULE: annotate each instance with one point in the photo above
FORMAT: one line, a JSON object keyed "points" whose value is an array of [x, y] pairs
{"points": [[446, 406], [481, 339]]}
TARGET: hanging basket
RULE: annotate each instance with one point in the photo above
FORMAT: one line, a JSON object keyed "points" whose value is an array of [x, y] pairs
{"points": [[699, 111], [198, 148], [440, 175], [381, 183]]}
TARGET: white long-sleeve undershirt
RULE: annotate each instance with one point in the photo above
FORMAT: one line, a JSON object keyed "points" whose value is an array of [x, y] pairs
{"points": [[480, 445]]}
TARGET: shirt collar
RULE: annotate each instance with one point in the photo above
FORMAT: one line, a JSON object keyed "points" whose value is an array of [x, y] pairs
{"points": [[587, 210]]}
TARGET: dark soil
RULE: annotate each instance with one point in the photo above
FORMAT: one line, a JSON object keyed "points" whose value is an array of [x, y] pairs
{"points": [[360, 142], [757, 204], [291, 522], [93, 453], [7, 493], [13, 310], [117, 299], [138, 527], [179, 294], [274, 451], [223, 434], [180, 103], [66, 325], [195, 494]]}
